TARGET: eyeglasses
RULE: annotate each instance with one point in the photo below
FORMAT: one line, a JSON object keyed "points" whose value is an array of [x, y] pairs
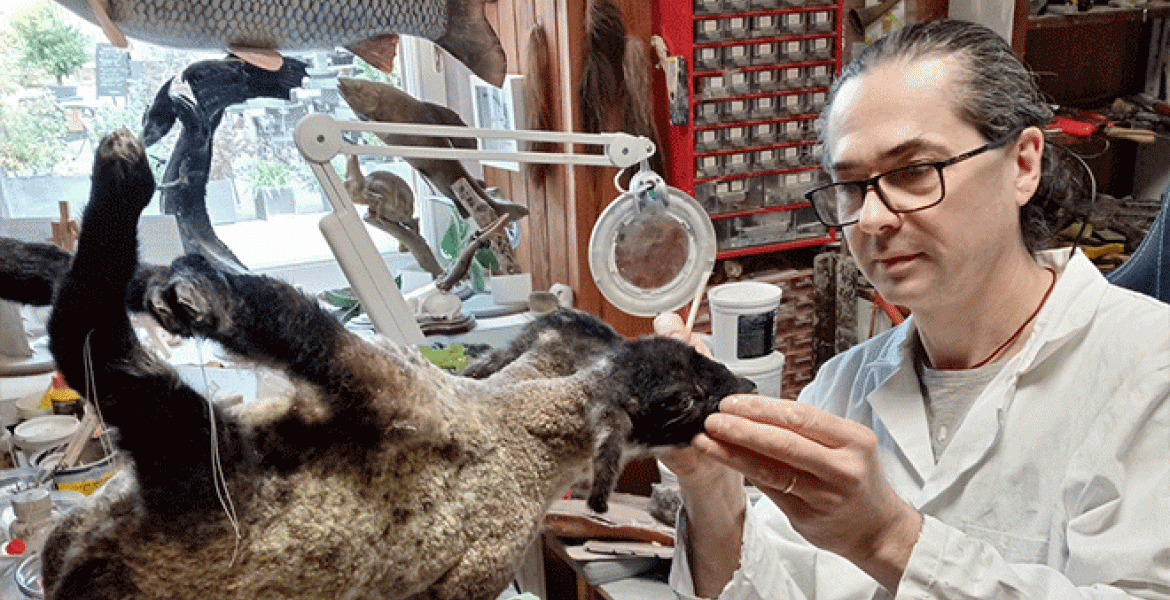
{"points": [[903, 190]]}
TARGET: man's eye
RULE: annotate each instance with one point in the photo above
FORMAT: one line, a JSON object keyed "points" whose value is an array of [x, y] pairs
{"points": [[911, 174]]}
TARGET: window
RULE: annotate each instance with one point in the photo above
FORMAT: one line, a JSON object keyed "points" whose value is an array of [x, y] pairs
{"points": [[53, 113]]}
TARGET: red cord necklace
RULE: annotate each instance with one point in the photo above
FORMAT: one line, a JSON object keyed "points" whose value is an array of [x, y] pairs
{"points": [[1022, 327]]}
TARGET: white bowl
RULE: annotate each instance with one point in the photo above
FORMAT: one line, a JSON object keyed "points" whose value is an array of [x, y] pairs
{"points": [[48, 431]]}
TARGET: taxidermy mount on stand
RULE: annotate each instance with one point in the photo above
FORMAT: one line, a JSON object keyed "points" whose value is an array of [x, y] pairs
{"points": [[381, 476], [391, 209], [374, 101], [197, 99], [258, 30]]}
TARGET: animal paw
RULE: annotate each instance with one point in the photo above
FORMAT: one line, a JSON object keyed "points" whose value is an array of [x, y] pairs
{"points": [[121, 168], [195, 300]]}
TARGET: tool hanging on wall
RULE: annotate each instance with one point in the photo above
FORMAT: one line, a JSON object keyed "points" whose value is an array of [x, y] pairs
{"points": [[675, 70], [1087, 124], [861, 18]]}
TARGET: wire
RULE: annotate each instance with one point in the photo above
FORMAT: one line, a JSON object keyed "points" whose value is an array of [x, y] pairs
{"points": [[1092, 198], [219, 480]]}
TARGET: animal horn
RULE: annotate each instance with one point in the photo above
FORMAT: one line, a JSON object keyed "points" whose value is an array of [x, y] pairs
{"points": [[860, 19]]}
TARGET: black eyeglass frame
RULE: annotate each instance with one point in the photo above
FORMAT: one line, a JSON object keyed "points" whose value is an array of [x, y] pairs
{"points": [[865, 184]]}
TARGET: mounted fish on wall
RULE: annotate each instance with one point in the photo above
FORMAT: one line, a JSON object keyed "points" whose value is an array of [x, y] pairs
{"points": [[257, 30]]}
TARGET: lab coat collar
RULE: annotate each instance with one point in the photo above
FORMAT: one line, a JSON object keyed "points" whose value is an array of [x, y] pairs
{"points": [[897, 398]]}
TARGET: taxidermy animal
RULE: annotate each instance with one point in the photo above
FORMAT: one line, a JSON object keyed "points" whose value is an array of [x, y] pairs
{"points": [[391, 209], [374, 101], [259, 29], [615, 88], [383, 476], [197, 98]]}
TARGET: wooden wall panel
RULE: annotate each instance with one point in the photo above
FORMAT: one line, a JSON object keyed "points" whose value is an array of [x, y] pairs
{"points": [[555, 244]]}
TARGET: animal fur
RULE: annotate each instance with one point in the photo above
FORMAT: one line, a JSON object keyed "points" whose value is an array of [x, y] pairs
{"points": [[538, 95], [382, 476], [615, 88]]}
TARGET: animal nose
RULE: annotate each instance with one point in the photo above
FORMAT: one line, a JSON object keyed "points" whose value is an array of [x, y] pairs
{"points": [[745, 386]]}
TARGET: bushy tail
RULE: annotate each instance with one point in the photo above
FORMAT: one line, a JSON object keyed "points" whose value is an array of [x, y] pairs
{"points": [[30, 272]]}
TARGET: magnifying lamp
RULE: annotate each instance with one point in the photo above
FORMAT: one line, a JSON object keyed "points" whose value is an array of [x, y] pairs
{"points": [[628, 249]]}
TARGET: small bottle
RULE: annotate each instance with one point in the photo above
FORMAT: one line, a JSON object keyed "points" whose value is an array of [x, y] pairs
{"points": [[63, 399], [34, 515]]}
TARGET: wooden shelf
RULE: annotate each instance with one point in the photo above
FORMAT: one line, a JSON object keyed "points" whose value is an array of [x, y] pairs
{"points": [[1100, 15]]}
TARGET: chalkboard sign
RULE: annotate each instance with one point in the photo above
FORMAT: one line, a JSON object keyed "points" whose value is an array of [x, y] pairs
{"points": [[113, 70]]}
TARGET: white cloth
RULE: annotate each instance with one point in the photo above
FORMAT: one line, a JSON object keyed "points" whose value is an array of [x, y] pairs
{"points": [[1056, 484]]}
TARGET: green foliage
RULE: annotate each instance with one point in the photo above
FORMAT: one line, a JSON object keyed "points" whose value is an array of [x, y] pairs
{"points": [[269, 173], [393, 78], [457, 235], [49, 44], [32, 136]]}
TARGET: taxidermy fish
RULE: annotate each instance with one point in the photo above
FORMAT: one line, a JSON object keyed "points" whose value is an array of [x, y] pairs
{"points": [[258, 30], [381, 476], [374, 101]]}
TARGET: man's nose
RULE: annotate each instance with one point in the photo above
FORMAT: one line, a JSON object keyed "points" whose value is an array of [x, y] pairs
{"points": [[875, 215]]}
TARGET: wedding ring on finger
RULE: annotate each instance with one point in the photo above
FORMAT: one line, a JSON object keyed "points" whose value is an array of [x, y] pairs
{"points": [[791, 484]]}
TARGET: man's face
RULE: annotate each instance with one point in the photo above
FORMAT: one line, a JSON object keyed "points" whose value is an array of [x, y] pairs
{"points": [[901, 113]]}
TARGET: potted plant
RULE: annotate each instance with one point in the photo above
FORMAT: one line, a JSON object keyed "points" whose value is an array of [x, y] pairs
{"points": [[272, 190]]}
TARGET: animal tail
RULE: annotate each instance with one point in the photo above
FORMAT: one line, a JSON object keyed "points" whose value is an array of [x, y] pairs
{"points": [[638, 115], [603, 89], [30, 271], [471, 39], [538, 98], [164, 424]]}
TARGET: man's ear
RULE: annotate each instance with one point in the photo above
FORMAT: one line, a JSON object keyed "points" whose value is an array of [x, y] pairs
{"points": [[1029, 148]]}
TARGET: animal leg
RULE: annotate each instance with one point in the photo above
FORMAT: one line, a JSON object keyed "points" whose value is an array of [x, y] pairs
{"points": [[164, 424], [30, 272], [613, 427], [268, 321]]}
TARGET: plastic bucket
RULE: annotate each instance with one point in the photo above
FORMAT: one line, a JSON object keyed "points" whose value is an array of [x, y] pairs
{"points": [[85, 477], [39, 433], [743, 319], [767, 372], [22, 391]]}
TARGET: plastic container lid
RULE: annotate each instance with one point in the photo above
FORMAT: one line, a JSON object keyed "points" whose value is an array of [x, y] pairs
{"points": [[39, 432], [745, 296]]}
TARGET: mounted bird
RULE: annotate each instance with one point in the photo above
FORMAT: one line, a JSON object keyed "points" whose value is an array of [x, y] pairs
{"points": [[197, 98]]}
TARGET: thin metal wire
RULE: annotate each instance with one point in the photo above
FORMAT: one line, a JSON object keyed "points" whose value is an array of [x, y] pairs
{"points": [[219, 480]]}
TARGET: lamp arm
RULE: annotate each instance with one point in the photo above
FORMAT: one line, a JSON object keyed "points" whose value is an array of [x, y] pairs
{"points": [[319, 139]]}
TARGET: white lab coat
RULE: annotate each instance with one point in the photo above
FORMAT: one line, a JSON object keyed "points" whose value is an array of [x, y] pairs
{"points": [[1056, 484]]}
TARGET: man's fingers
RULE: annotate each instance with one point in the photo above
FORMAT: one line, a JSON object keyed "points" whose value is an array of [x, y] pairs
{"points": [[763, 443], [819, 426]]}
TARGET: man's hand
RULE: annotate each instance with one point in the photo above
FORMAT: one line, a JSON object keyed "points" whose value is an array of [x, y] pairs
{"points": [[823, 472]]}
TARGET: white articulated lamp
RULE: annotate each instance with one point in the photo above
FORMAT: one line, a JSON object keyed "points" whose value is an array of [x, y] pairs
{"points": [[649, 201]]}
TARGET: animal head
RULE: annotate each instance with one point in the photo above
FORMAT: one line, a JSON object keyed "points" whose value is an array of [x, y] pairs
{"points": [[672, 389]]}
